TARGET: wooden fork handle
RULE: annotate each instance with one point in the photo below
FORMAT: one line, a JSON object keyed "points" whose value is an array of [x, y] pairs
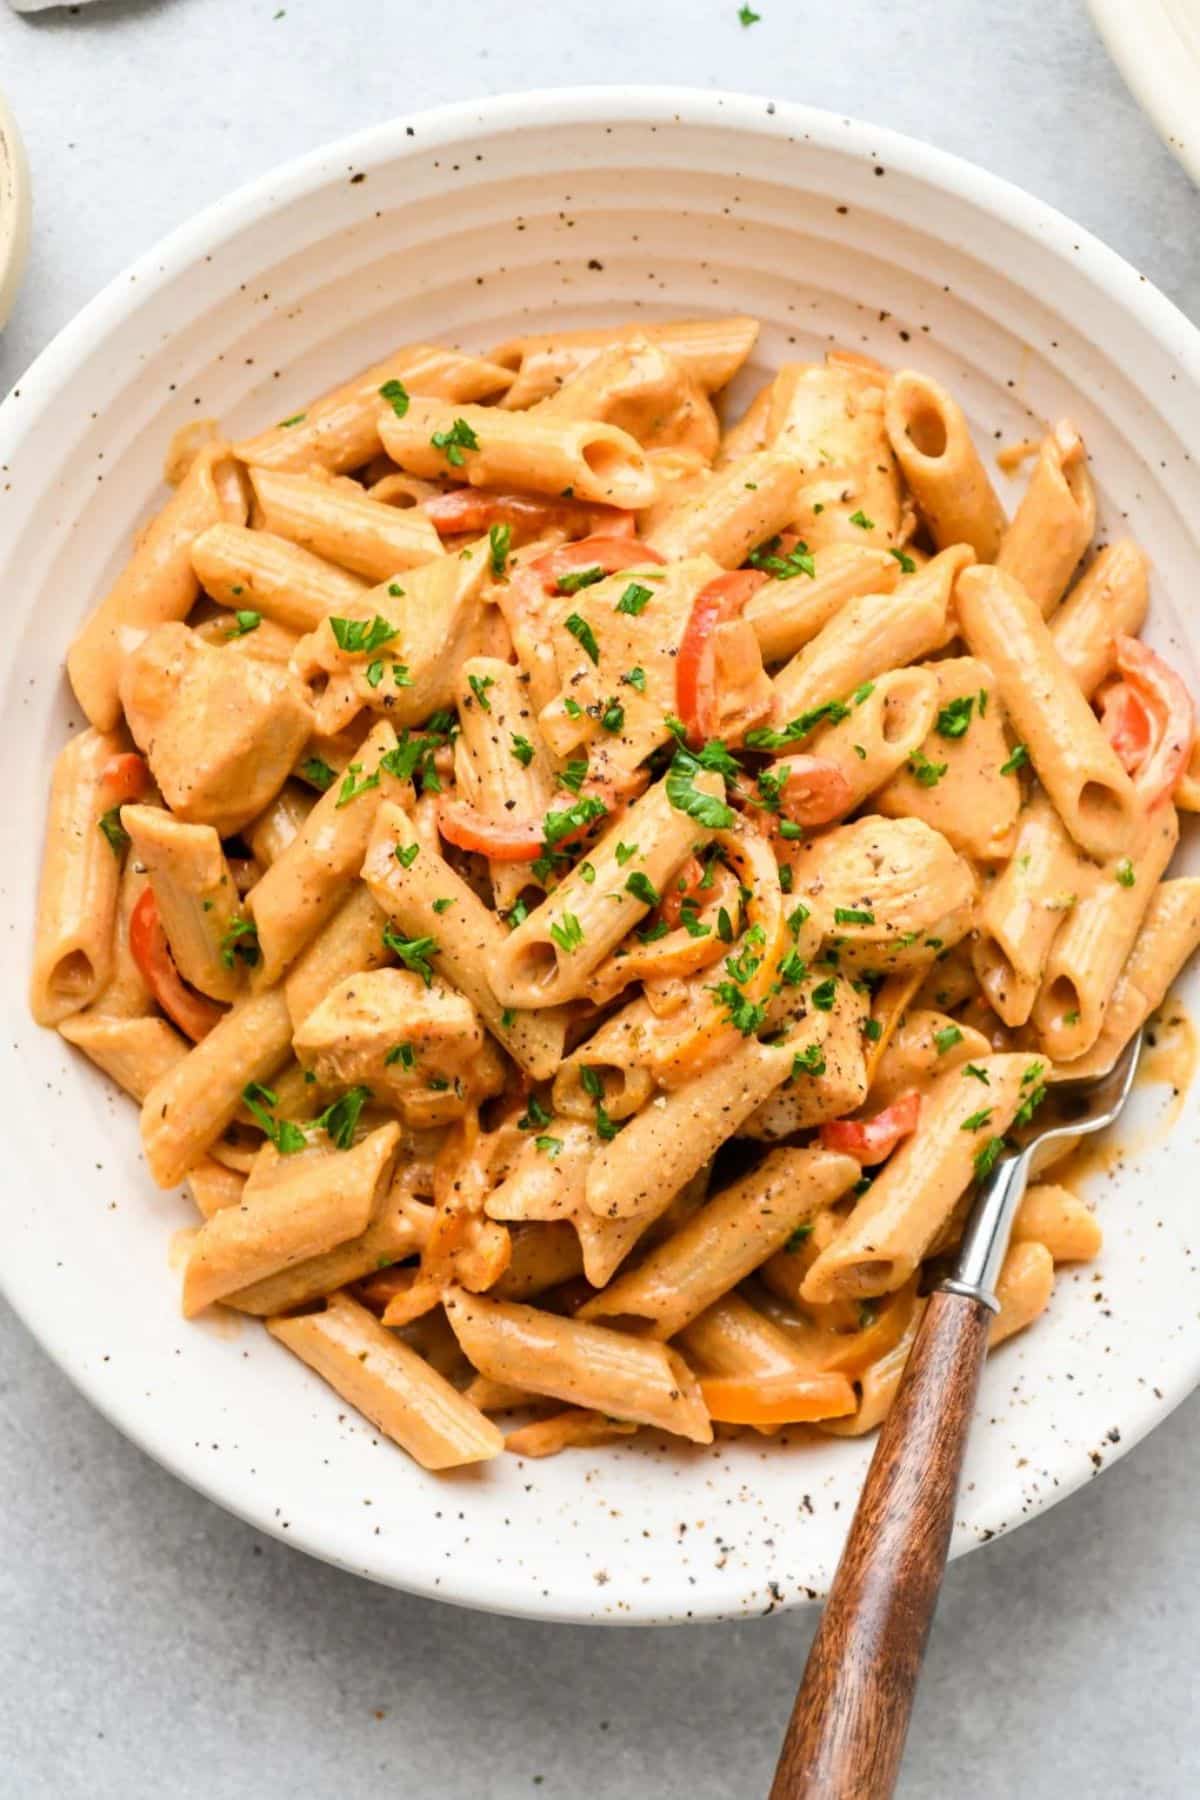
{"points": [[846, 1734]]}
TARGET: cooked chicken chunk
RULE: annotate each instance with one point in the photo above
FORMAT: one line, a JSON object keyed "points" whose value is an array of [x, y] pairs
{"points": [[421, 1049], [220, 732]]}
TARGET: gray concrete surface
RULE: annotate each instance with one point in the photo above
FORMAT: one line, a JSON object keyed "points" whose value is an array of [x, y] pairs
{"points": [[152, 1646]]}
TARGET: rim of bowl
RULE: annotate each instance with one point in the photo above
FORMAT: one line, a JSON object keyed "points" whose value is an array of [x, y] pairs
{"points": [[459, 122]]}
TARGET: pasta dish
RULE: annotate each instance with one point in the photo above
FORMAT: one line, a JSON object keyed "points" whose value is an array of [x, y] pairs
{"points": [[582, 888]]}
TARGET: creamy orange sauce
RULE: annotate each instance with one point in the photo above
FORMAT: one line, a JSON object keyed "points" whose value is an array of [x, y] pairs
{"points": [[1169, 1056], [1168, 1060]]}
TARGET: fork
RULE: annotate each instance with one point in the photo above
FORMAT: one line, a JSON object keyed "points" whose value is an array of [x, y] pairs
{"points": [[846, 1734]]}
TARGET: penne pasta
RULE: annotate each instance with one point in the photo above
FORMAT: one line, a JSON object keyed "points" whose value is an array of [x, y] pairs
{"points": [[1109, 599], [488, 447], [309, 881], [711, 350], [574, 889], [189, 1106], [730, 1237], [1053, 525], [932, 441], [390, 1384], [1095, 938], [307, 1205], [340, 430], [135, 1053], [787, 614], [1062, 738], [866, 637], [586, 1365], [892, 1226], [336, 521], [256, 571], [197, 899], [729, 513], [158, 584], [73, 953]]}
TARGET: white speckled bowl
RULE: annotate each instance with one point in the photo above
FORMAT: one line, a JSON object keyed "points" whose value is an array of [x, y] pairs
{"points": [[472, 222]]}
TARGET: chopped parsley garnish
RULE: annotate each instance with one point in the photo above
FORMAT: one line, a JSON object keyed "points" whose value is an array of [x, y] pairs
{"points": [[747, 16], [575, 774], [375, 672], [517, 915], [479, 685], [927, 773], [114, 833], [797, 561], [285, 1134], [852, 915], [830, 712], [863, 693], [650, 934], [746, 1015], [583, 634], [574, 579], [724, 926], [240, 939], [686, 797], [340, 1121], [636, 678], [314, 769], [549, 1146], [522, 749], [351, 787], [953, 720], [558, 825], [792, 969], [978, 1074], [634, 600], [414, 953], [690, 920], [642, 888], [296, 419], [1018, 759], [613, 716], [946, 1040], [244, 622], [824, 995], [365, 635], [499, 542], [508, 1019], [977, 1120], [987, 1158], [809, 1061], [860, 519], [400, 1053], [460, 437], [906, 562], [396, 395], [442, 904], [1030, 1104], [798, 1238], [798, 916], [626, 853], [534, 1117], [567, 933], [1124, 872]]}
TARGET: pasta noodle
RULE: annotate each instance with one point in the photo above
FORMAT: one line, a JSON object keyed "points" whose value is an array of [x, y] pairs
{"points": [[582, 892]]}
